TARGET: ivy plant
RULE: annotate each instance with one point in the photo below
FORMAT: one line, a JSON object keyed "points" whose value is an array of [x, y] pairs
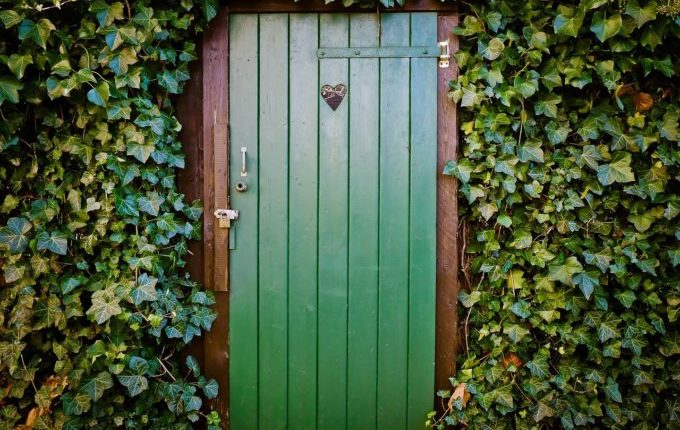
{"points": [[93, 231], [569, 178]]}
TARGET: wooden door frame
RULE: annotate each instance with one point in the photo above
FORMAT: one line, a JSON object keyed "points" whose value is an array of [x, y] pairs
{"points": [[203, 111]]}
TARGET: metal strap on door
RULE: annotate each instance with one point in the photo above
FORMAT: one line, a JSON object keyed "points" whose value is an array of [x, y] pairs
{"points": [[441, 51]]}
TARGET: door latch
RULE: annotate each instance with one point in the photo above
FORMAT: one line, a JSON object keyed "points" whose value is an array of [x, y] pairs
{"points": [[225, 216], [444, 55]]}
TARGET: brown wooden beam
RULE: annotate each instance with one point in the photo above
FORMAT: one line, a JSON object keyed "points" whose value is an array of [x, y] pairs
{"points": [[261, 6], [215, 57], [447, 218]]}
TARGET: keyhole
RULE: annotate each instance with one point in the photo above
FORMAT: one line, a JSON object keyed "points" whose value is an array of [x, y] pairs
{"points": [[241, 186]]}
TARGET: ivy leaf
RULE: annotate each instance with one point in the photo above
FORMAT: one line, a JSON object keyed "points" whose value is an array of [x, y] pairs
{"points": [[10, 18], [564, 272], [38, 32], [75, 404], [548, 106], [612, 391], [491, 49], [99, 95], [641, 15], [106, 14], [56, 242], [608, 328], [135, 384], [192, 365], [469, 300], [96, 385], [17, 63], [9, 89], [617, 171], [587, 281], [150, 204], [14, 235], [515, 332], [145, 289], [605, 28], [461, 170], [209, 9], [530, 151], [673, 254], [105, 304], [141, 152], [211, 389], [568, 23]]}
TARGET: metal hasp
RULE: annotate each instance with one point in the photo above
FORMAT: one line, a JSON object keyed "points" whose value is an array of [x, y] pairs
{"points": [[444, 55], [225, 216]]}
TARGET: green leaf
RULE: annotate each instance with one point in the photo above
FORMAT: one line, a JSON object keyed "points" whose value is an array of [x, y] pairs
{"points": [[150, 204], [548, 106], [608, 328], [491, 49], [9, 89], [18, 63], [461, 170], [56, 242], [105, 304], [211, 389], [587, 281], [75, 404], [612, 390], [641, 15], [606, 27], [193, 366], [469, 300], [515, 332], [564, 272], [14, 235], [99, 95], [673, 254], [135, 384], [96, 385], [617, 171], [145, 289], [106, 14], [530, 151], [209, 9], [568, 23], [10, 18], [38, 32], [141, 152]]}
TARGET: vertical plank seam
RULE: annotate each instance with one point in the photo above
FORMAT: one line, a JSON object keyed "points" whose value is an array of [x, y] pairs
{"points": [[257, 231], [408, 222], [318, 215], [288, 234], [377, 313], [349, 204]]}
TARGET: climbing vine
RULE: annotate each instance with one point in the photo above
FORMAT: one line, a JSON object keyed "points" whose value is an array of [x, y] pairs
{"points": [[569, 178], [93, 230]]}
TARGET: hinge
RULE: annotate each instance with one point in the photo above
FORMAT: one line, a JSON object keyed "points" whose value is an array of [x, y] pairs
{"points": [[225, 216], [444, 55]]}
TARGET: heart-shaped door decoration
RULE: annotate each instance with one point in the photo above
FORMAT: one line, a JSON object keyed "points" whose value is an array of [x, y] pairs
{"points": [[333, 96]]}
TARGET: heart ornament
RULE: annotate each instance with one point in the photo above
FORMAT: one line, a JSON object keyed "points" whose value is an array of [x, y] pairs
{"points": [[333, 96]]}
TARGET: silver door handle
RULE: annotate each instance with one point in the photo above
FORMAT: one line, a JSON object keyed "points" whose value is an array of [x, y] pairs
{"points": [[244, 171]]}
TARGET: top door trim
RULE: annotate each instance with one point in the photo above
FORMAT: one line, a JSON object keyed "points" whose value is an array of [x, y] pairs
{"points": [[265, 6]]}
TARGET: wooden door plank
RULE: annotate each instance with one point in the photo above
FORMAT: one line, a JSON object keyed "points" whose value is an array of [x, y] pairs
{"points": [[243, 122], [394, 226], [302, 247], [363, 222], [423, 222], [273, 229], [447, 218], [333, 210]]}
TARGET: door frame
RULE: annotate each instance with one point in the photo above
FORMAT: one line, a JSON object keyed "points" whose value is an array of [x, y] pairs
{"points": [[203, 111]]}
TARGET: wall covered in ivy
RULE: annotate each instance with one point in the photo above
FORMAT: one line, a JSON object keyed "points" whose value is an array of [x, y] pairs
{"points": [[93, 231], [569, 173]]}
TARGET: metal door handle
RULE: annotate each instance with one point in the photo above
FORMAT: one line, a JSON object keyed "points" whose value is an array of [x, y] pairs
{"points": [[244, 171]]}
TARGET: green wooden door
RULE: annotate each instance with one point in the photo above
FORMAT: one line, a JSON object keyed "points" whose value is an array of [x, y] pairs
{"points": [[332, 261]]}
